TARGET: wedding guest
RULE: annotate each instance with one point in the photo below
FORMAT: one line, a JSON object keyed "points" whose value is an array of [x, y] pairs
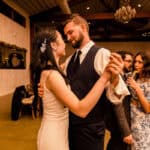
{"points": [[139, 84], [120, 133]]}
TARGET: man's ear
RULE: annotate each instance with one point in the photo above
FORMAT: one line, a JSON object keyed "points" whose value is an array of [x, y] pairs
{"points": [[53, 45], [83, 27]]}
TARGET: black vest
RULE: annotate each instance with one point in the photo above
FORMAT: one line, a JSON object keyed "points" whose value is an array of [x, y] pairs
{"points": [[81, 83]]}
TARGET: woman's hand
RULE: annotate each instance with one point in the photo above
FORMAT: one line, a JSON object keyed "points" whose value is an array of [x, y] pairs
{"points": [[40, 90], [132, 83]]}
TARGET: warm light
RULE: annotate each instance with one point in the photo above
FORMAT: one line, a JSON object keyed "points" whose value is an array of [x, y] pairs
{"points": [[139, 5], [88, 8], [125, 14]]}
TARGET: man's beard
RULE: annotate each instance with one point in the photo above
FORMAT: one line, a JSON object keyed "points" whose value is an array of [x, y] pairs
{"points": [[77, 43]]}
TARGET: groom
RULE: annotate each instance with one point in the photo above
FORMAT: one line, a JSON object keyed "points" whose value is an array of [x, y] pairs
{"points": [[87, 133]]}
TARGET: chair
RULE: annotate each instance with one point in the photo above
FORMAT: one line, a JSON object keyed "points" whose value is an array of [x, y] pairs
{"points": [[28, 101], [19, 93], [24, 98]]}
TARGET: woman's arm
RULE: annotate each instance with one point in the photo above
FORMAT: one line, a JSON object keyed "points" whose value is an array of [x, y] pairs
{"points": [[142, 99], [82, 107], [57, 85]]}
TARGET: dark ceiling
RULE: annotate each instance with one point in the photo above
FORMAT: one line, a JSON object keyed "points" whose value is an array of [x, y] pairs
{"points": [[99, 13]]}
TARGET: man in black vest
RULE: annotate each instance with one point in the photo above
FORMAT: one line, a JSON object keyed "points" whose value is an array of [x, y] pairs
{"points": [[87, 133]]}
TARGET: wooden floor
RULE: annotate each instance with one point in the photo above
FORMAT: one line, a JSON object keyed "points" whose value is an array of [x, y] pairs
{"points": [[20, 134]]}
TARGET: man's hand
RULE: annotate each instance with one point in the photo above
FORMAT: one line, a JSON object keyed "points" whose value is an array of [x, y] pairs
{"points": [[40, 90], [128, 139], [116, 63], [115, 66]]}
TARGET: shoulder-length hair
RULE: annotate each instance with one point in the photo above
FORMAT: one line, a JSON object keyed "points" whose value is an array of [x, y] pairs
{"points": [[42, 53], [146, 64]]}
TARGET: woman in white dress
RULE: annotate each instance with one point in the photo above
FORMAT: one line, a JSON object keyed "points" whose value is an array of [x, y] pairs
{"points": [[140, 102], [57, 98]]}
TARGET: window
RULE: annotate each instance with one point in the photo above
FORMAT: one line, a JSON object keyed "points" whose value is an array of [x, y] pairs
{"points": [[12, 14]]}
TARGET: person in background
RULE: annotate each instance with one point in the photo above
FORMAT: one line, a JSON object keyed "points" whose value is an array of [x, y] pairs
{"points": [[119, 130], [49, 47], [139, 85], [128, 62]]}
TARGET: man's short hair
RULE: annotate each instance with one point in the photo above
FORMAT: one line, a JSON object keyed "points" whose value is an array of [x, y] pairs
{"points": [[76, 19], [124, 53]]}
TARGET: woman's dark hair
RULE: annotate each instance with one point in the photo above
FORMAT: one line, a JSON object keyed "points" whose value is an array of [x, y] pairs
{"points": [[42, 56], [42, 51], [146, 64]]}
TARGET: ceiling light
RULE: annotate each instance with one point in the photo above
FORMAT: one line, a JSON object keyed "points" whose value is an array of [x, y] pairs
{"points": [[146, 34], [139, 5], [125, 13], [88, 8]]}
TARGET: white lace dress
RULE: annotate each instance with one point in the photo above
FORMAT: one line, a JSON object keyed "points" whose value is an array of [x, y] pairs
{"points": [[53, 133]]}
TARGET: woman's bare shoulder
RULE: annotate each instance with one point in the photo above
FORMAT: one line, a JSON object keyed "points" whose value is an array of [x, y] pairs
{"points": [[49, 74]]}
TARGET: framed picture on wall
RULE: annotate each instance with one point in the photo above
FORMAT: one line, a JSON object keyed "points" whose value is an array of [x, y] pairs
{"points": [[12, 57]]}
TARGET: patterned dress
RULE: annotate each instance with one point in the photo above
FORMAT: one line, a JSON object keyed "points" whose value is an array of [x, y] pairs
{"points": [[140, 121]]}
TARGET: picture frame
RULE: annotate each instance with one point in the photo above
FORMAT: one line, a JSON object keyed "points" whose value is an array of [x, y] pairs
{"points": [[12, 56]]}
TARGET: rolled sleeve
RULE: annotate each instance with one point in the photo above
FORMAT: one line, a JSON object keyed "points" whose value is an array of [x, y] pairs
{"points": [[121, 89], [101, 61]]}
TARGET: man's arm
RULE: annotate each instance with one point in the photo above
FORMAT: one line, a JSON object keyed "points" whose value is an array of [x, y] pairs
{"points": [[123, 123], [117, 93]]}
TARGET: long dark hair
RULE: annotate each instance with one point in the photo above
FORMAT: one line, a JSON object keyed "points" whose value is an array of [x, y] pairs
{"points": [[42, 52], [146, 65]]}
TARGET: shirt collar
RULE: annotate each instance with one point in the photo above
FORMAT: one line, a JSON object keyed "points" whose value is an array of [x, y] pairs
{"points": [[87, 47]]}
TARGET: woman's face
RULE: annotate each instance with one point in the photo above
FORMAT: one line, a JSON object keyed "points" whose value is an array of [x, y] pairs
{"points": [[60, 45], [138, 63]]}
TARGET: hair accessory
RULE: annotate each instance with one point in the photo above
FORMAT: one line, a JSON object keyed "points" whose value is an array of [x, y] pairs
{"points": [[43, 46]]}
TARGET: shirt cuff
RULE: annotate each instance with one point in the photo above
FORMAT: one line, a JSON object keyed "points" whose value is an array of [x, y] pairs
{"points": [[121, 90]]}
